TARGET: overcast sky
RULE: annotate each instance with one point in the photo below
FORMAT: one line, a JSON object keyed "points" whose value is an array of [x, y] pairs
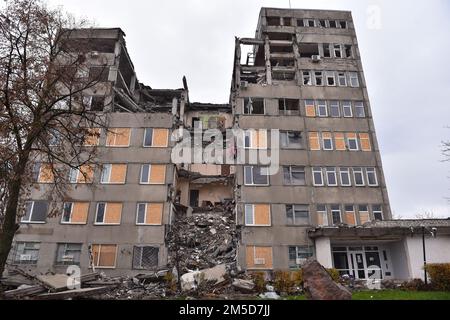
{"points": [[406, 68]]}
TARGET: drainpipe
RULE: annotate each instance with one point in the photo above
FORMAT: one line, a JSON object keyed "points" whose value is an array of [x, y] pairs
{"points": [[424, 256]]}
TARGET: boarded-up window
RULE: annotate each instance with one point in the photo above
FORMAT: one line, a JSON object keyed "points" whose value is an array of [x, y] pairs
{"points": [[350, 218], [75, 213], [108, 213], [314, 142], [339, 139], [92, 137], [322, 215], [118, 137], [104, 255], [259, 257], [156, 138], [46, 173], [365, 142], [114, 174], [86, 174], [364, 215], [153, 174], [255, 139], [257, 215], [149, 214], [310, 108]]}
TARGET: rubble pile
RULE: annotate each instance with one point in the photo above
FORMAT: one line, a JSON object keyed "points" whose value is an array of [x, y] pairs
{"points": [[203, 240]]}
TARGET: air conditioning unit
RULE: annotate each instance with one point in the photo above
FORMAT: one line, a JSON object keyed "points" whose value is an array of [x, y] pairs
{"points": [[260, 262], [244, 84], [26, 257], [315, 58], [300, 261]]}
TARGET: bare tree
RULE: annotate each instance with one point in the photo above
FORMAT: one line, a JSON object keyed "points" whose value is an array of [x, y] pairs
{"points": [[426, 215], [44, 116]]}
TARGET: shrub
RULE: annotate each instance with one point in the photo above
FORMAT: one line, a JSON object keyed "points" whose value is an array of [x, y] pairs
{"points": [[260, 281], [440, 275], [283, 282], [171, 281], [334, 274], [414, 285], [297, 277]]}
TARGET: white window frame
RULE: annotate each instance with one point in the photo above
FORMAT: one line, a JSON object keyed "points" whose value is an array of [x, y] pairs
{"points": [[322, 77], [291, 176], [110, 166], [325, 213], [251, 113], [331, 170], [322, 103], [61, 263], [104, 216], [374, 172], [22, 253], [71, 213], [353, 76], [254, 217], [253, 183], [360, 105], [141, 255], [337, 50], [347, 172], [342, 76], [356, 143], [30, 221], [153, 138], [376, 211], [347, 105], [340, 214], [329, 75], [99, 254], [335, 103], [314, 171], [145, 215], [323, 142], [115, 137], [359, 171], [293, 214], [310, 82]]}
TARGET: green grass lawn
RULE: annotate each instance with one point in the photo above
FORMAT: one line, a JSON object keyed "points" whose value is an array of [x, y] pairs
{"points": [[394, 295]]}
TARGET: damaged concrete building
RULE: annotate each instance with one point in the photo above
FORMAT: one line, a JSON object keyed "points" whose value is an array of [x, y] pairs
{"points": [[301, 74]]}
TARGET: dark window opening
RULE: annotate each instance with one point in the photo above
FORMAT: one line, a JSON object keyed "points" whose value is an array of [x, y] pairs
{"points": [[307, 50], [333, 24], [98, 74], [348, 51], [289, 106], [282, 62], [281, 49], [283, 76], [326, 50], [300, 23], [280, 36], [311, 23], [253, 106], [323, 23], [97, 103], [273, 21], [287, 22], [343, 24]]}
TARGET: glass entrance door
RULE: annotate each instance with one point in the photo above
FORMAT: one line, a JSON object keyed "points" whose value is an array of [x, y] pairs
{"points": [[358, 265]]}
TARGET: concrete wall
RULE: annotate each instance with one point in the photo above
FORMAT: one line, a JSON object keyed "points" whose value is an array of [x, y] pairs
{"points": [[400, 260]]}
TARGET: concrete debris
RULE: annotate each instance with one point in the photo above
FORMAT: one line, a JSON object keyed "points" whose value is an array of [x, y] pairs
{"points": [[213, 276], [319, 285], [270, 296], [244, 285], [57, 282]]}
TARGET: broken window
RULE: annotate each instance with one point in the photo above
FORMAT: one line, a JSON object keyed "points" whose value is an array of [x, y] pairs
{"points": [[310, 23], [273, 21], [318, 76], [26, 252], [322, 23], [299, 255], [326, 50], [372, 179], [283, 75], [256, 176], [332, 23], [294, 176], [335, 111], [337, 51], [300, 23], [289, 106], [345, 177], [332, 177], [322, 215], [352, 142], [348, 50], [145, 257], [354, 81], [347, 109], [104, 255], [281, 49], [68, 254], [343, 24], [257, 215], [113, 174], [153, 174], [318, 177], [83, 175], [97, 103], [291, 140], [98, 74], [287, 21], [75, 213], [307, 79], [377, 212], [342, 79], [331, 80], [307, 50], [359, 177], [297, 215], [327, 141], [149, 214], [35, 212], [360, 110], [322, 109], [336, 214], [108, 213], [253, 106], [276, 62]]}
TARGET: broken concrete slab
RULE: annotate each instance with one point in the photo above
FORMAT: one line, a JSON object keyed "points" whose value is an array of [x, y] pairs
{"points": [[73, 293], [244, 285], [216, 274], [270, 296], [24, 291], [57, 282], [319, 285], [191, 281]]}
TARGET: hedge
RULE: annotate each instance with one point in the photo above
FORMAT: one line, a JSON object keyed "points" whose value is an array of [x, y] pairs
{"points": [[440, 275]]}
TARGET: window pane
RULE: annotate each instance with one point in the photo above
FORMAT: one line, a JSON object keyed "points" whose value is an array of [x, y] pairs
{"points": [[347, 107], [141, 213], [298, 176], [292, 253], [345, 177], [359, 110], [67, 212], [318, 178], [284, 139], [39, 213], [331, 176], [248, 175], [289, 214], [359, 179], [259, 177], [100, 212], [148, 137], [249, 215], [106, 172], [334, 109], [145, 173], [372, 177], [322, 108]]}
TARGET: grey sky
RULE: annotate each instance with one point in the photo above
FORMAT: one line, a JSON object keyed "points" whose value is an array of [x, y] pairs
{"points": [[405, 63]]}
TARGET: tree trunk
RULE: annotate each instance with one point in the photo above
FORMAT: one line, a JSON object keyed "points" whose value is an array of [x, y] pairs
{"points": [[10, 225]]}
